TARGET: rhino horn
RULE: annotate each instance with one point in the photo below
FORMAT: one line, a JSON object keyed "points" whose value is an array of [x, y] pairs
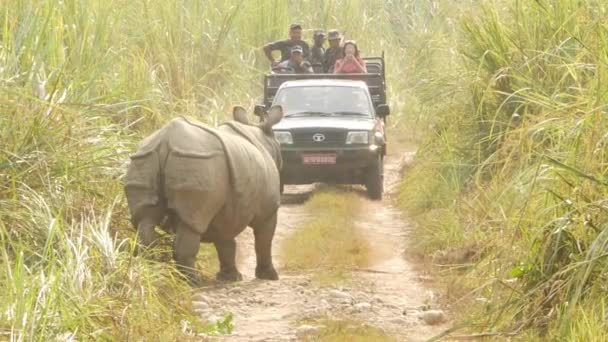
{"points": [[239, 114], [275, 114]]}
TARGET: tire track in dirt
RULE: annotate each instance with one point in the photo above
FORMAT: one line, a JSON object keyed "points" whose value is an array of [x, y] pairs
{"points": [[391, 279], [389, 294]]}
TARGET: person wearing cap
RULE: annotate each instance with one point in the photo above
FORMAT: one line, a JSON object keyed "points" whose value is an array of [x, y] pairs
{"points": [[333, 52], [317, 51], [295, 64], [295, 38]]}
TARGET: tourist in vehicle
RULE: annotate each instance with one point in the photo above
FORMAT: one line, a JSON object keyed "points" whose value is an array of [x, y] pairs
{"points": [[295, 38], [295, 64], [351, 63], [317, 52], [333, 52]]}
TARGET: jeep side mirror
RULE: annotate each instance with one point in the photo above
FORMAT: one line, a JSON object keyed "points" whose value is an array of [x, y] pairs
{"points": [[259, 110], [383, 110]]}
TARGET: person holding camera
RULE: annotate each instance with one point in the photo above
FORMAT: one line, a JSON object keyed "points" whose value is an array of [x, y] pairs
{"points": [[351, 63]]}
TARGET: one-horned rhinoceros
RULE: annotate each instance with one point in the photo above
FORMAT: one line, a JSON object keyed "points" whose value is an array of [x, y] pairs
{"points": [[210, 184]]}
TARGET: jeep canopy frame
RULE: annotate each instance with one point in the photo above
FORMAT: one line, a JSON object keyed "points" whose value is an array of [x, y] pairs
{"points": [[374, 79]]}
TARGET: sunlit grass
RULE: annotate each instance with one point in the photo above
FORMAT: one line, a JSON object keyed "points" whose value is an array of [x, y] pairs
{"points": [[329, 244], [83, 281], [506, 101], [514, 162], [346, 331]]}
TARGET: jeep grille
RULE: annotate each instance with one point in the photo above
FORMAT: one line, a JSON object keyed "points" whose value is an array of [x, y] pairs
{"points": [[307, 139]]}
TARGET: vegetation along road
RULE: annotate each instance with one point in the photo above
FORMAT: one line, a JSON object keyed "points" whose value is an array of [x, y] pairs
{"points": [[497, 229]]}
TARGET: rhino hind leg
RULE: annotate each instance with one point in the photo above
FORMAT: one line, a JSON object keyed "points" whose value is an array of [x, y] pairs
{"points": [[226, 253], [149, 218], [141, 185], [185, 249], [264, 233]]}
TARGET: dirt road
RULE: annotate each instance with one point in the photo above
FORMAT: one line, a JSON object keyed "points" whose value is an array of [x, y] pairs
{"points": [[389, 295]]}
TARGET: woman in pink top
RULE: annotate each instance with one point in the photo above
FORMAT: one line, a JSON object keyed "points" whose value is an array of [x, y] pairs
{"points": [[351, 63]]}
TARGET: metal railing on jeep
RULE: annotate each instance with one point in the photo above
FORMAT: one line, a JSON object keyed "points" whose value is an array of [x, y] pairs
{"points": [[374, 79]]}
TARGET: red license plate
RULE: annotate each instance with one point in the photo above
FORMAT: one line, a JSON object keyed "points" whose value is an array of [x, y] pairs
{"points": [[317, 159]]}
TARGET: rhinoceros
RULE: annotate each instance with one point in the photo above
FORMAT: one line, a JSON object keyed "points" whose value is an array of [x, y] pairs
{"points": [[208, 185]]}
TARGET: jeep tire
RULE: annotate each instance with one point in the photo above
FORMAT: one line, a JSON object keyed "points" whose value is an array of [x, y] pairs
{"points": [[375, 179]]}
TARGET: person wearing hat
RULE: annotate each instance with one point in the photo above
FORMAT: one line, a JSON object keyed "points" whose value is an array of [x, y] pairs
{"points": [[295, 38], [317, 51], [333, 52], [295, 64]]}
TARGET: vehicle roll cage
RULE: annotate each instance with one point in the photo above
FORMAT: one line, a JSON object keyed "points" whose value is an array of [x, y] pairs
{"points": [[374, 79]]}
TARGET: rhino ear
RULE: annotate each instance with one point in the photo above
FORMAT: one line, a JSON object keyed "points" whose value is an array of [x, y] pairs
{"points": [[275, 114], [239, 114]]}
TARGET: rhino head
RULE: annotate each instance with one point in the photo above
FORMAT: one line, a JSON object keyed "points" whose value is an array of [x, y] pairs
{"points": [[263, 130]]}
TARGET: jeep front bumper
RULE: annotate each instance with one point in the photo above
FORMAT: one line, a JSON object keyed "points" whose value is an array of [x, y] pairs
{"points": [[350, 166]]}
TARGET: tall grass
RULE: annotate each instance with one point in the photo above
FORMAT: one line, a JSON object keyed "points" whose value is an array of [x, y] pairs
{"points": [[80, 83], [518, 166]]}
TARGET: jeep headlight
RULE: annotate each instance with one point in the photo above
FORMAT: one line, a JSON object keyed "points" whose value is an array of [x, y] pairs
{"points": [[284, 138], [378, 139], [357, 138]]}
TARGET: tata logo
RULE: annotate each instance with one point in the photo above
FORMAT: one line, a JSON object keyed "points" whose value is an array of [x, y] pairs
{"points": [[318, 137]]}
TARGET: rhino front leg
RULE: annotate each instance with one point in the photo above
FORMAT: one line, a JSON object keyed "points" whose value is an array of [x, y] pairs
{"points": [[226, 253], [185, 249], [264, 233]]}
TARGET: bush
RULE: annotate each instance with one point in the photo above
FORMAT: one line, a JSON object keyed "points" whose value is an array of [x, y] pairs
{"points": [[527, 139]]}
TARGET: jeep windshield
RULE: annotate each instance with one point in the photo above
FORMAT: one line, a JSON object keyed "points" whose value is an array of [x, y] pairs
{"points": [[324, 101]]}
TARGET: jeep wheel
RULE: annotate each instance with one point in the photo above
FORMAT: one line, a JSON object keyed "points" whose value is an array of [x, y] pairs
{"points": [[375, 179]]}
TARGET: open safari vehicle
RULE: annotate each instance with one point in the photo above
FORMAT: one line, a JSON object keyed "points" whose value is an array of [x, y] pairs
{"points": [[333, 128]]}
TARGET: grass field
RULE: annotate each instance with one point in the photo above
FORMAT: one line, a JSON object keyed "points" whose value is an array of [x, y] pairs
{"points": [[346, 331], [506, 99], [513, 169]]}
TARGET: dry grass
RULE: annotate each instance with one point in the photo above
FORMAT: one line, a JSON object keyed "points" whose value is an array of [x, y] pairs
{"points": [[207, 261], [515, 161], [329, 243], [346, 331]]}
